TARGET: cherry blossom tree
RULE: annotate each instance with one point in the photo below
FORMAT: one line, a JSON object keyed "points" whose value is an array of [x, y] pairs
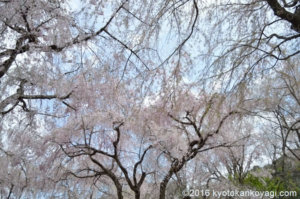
{"points": [[123, 99], [110, 153]]}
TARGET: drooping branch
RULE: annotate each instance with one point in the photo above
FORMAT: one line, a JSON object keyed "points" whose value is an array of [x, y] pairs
{"points": [[180, 46], [45, 96], [19, 96], [281, 12], [87, 37], [12, 53], [10, 191], [289, 4], [128, 48], [32, 38]]}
